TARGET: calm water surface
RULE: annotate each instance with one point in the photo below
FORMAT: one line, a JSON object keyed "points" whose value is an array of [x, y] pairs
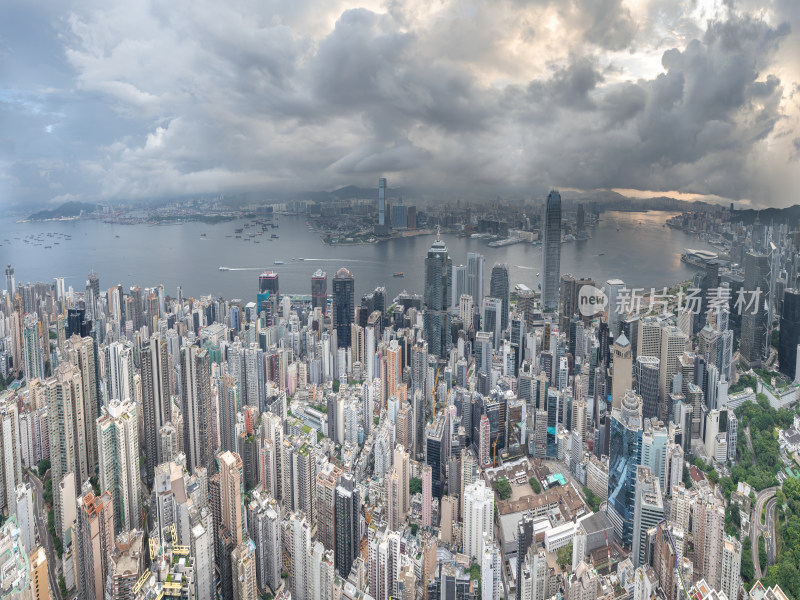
{"points": [[632, 246]]}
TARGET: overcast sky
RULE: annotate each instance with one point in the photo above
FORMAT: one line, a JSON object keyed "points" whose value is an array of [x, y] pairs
{"points": [[106, 100]]}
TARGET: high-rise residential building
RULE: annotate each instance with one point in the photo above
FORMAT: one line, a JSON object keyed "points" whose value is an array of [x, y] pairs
{"points": [[126, 565], [32, 349], [438, 268], [614, 289], [754, 342], [789, 334], [625, 456], [344, 307], [499, 287], [10, 459], [95, 544], [81, 353], [156, 404], [622, 381], [64, 394], [118, 449], [299, 537], [196, 407], [40, 583], [243, 563], [231, 484], [319, 291], [730, 567], [427, 495], [263, 526], [478, 515], [551, 251], [26, 516], [347, 524], [648, 511], [673, 344], [476, 268]]}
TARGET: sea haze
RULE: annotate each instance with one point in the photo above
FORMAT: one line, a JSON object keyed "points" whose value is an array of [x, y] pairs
{"points": [[632, 246]]}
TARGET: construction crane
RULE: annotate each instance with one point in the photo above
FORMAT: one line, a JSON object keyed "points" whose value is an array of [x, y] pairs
{"points": [[494, 448]]}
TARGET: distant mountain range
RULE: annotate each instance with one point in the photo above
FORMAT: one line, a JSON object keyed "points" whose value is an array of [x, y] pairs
{"points": [[789, 215], [68, 209]]}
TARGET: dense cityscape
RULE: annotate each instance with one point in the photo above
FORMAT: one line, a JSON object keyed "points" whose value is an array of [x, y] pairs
{"points": [[478, 440]]}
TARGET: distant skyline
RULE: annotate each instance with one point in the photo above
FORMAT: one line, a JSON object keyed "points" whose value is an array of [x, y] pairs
{"points": [[131, 101]]}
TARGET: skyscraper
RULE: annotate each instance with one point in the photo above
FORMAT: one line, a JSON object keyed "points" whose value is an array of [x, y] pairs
{"points": [[551, 251], [11, 285], [499, 287], [730, 566], [231, 486], [621, 382], [156, 404], [268, 282], [436, 320], [625, 456], [196, 406], [32, 349], [478, 515], [648, 511], [243, 561], [118, 445], [319, 291], [754, 344], [476, 267], [789, 333], [344, 307], [95, 532], [382, 228], [347, 523]]}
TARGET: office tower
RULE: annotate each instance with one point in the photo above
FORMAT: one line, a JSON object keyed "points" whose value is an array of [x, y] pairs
{"points": [[648, 511], [625, 456], [243, 563], [231, 486], [394, 367], [551, 251], [436, 435], [229, 404], [348, 524], [382, 228], [478, 516], [499, 287], [156, 404], [299, 530], [491, 319], [196, 407], [476, 267], [789, 333], [95, 543], [647, 378], [569, 299], [319, 291], [622, 381], [458, 285], [268, 283], [754, 343], [525, 539], [438, 268], [730, 568], [26, 517], [32, 349], [39, 575], [11, 286], [118, 446], [673, 344], [614, 290], [64, 397], [263, 526], [344, 308]]}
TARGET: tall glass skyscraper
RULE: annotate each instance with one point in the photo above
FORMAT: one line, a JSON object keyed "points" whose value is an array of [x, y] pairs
{"points": [[344, 305], [438, 268], [754, 343], [551, 251], [499, 287], [319, 290], [789, 333], [625, 456]]}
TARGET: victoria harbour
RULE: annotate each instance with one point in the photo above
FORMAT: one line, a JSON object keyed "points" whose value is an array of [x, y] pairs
{"points": [[634, 245]]}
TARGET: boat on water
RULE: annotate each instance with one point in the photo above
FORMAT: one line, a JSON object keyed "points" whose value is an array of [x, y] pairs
{"points": [[279, 262], [398, 274], [224, 269], [202, 235]]}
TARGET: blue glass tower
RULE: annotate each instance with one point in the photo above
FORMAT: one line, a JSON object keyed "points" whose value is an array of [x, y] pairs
{"points": [[626, 455]]}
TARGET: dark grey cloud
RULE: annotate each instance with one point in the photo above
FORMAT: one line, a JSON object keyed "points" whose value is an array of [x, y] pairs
{"points": [[136, 101]]}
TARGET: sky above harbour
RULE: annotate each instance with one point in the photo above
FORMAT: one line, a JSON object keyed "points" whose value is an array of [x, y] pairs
{"points": [[107, 101]]}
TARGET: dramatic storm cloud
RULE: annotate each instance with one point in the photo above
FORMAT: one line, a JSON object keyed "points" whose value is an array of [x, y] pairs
{"points": [[103, 100]]}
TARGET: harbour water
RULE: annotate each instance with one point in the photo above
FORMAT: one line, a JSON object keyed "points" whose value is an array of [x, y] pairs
{"points": [[632, 246]]}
